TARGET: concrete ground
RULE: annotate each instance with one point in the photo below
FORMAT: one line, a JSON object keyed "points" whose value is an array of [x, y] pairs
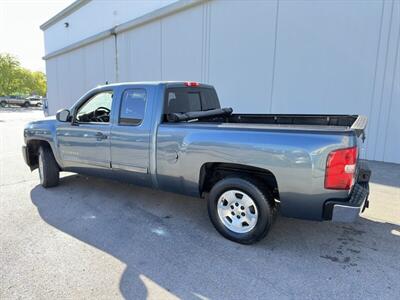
{"points": [[94, 238]]}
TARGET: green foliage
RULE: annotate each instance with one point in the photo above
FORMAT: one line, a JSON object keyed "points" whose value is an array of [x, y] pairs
{"points": [[16, 80]]}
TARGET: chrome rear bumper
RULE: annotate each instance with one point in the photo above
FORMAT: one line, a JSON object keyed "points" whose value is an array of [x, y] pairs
{"points": [[348, 210]]}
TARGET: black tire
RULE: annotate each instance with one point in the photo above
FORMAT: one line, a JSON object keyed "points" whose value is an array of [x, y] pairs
{"points": [[263, 201], [26, 104], [3, 103], [49, 171]]}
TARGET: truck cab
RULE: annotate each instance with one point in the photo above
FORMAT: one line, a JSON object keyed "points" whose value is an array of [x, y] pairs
{"points": [[98, 133]]}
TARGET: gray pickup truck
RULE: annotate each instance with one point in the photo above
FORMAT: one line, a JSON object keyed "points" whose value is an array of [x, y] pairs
{"points": [[20, 101], [175, 137]]}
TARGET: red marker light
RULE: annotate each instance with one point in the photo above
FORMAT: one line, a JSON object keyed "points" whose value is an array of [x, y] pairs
{"points": [[192, 83]]}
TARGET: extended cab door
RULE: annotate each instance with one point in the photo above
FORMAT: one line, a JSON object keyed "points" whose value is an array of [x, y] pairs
{"points": [[130, 135], [85, 142]]}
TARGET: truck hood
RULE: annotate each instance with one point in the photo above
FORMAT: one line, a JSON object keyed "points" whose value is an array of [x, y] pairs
{"points": [[45, 122]]}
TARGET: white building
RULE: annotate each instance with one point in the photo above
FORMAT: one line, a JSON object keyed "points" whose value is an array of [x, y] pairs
{"points": [[273, 56]]}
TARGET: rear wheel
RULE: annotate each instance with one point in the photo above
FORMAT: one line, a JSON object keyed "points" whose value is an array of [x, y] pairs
{"points": [[240, 210], [3, 103], [49, 172]]}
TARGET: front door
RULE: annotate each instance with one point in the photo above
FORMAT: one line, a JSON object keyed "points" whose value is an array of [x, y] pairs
{"points": [[85, 143], [130, 137]]}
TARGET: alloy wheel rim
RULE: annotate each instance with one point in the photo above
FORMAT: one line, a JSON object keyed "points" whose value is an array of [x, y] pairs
{"points": [[237, 211]]}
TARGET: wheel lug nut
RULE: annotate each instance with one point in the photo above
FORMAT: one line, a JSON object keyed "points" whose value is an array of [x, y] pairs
{"points": [[232, 213], [243, 214], [238, 216], [237, 204], [232, 207], [242, 207]]}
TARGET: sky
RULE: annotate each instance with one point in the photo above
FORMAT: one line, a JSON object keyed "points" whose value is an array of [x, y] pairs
{"points": [[20, 34]]}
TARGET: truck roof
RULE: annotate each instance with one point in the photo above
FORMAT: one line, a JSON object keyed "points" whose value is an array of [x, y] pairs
{"points": [[163, 82]]}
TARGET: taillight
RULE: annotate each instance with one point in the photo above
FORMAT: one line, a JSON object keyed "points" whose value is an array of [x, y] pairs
{"points": [[340, 169], [192, 83]]}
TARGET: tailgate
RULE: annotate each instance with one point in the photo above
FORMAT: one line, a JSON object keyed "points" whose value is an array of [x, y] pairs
{"points": [[359, 126]]}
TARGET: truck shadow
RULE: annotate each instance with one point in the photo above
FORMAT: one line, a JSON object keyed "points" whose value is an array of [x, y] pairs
{"points": [[168, 244]]}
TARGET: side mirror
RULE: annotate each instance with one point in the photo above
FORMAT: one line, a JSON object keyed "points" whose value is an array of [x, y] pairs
{"points": [[63, 115]]}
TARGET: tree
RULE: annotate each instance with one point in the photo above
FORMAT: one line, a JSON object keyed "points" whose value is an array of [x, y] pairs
{"points": [[39, 83], [8, 69], [15, 79]]}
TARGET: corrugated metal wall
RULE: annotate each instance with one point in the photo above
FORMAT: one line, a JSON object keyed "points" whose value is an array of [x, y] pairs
{"points": [[72, 74], [279, 57]]}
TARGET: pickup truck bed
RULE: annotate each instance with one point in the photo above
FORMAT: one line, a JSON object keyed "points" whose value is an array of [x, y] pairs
{"points": [[295, 122], [304, 122], [292, 153], [174, 136]]}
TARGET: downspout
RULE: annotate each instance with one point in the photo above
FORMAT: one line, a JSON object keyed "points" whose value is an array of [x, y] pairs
{"points": [[114, 33]]}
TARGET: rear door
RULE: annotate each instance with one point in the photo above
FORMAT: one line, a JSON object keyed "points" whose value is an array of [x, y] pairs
{"points": [[130, 135]]}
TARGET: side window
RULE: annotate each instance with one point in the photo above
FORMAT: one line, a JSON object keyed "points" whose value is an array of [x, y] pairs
{"points": [[96, 109], [132, 107]]}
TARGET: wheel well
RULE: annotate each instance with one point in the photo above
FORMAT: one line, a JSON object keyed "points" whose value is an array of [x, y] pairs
{"points": [[211, 173], [33, 151]]}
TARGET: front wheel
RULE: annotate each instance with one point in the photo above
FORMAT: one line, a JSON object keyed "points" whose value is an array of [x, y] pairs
{"points": [[26, 104], [49, 172], [3, 103], [240, 210]]}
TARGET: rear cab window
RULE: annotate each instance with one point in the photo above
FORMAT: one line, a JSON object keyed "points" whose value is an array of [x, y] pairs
{"points": [[186, 99]]}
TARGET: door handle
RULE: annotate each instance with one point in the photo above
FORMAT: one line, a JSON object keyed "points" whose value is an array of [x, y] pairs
{"points": [[100, 136]]}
